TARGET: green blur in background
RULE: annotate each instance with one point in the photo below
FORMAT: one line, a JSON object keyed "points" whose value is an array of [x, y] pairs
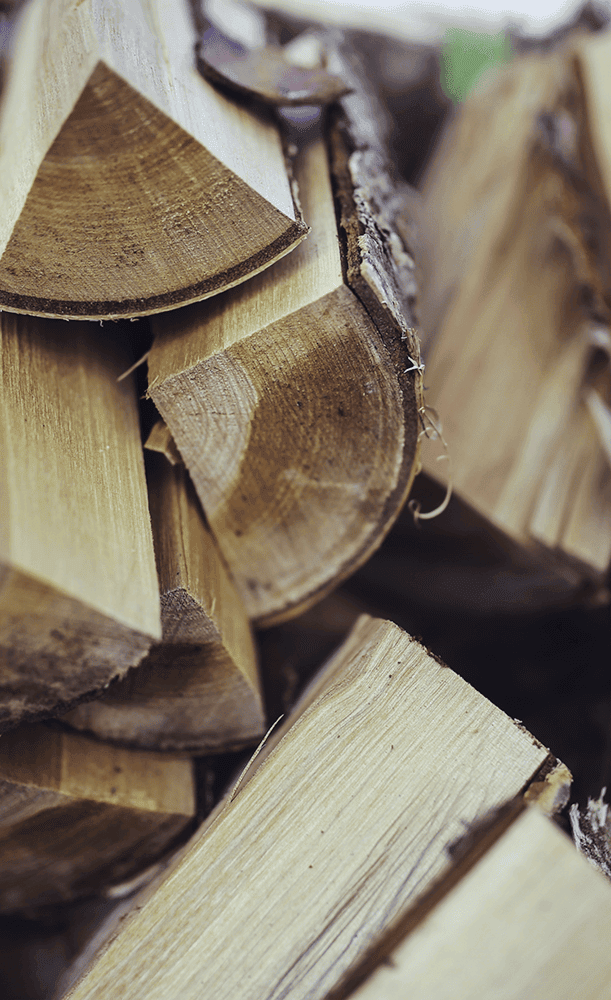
{"points": [[466, 55]]}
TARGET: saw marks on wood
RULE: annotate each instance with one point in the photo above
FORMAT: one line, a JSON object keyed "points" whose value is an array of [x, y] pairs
{"points": [[78, 816], [198, 690], [130, 184], [515, 300], [342, 828], [289, 414], [79, 598]]}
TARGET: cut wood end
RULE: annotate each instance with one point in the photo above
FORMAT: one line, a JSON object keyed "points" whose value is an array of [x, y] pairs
{"points": [[297, 415], [129, 191], [183, 699]]}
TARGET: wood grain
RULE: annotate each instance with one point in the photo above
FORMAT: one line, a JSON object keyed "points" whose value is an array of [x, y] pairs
{"points": [[79, 599], [130, 184], [532, 919], [518, 279], [78, 816], [198, 690], [288, 408], [341, 829]]}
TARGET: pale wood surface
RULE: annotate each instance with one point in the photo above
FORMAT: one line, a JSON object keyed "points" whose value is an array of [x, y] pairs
{"points": [[342, 828], [77, 816], [131, 185], [517, 278], [79, 598], [288, 411], [531, 921], [199, 689]]}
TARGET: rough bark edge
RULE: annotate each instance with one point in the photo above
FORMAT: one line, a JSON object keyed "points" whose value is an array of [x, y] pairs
{"points": [[132, 308], [591, 829], [378, 268]]}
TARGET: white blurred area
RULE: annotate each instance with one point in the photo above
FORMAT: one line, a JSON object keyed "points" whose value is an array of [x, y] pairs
{"points": [[419, 20]]}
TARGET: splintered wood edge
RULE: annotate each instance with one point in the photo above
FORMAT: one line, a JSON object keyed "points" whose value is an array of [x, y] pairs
{"points": [[378, 267], [540, 520], [550, 774], [379, 270]]}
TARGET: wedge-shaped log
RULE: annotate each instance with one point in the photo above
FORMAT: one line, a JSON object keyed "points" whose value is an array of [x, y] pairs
{"points": [[199, 689], [516, 304], [348, 821], [78, 816], [128, 184], [293, 411], [531, 919], [79, 598]]}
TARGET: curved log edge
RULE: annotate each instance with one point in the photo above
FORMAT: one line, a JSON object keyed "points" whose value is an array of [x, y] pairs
{"points": [[295, 401], [129, 185]]}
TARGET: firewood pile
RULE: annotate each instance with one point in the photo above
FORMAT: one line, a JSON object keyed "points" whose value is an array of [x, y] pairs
{"points": [[306, 510]]}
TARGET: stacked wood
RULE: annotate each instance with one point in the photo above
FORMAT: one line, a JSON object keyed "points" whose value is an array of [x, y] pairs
{"points": [[293, 412], [78, 816], [128, 183], [351, 818], [294, 400], [516, 302], [79, 598], [199, 689]]}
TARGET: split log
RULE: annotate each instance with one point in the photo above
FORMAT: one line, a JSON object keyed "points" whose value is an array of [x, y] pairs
{"points": [[79, 598], [294, 399], [199, 689], [349, 820], [516, 305], [128, 184], [531, 919], [78, 816]]}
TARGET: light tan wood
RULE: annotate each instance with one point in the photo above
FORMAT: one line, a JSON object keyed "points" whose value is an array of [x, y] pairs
{"points": [[79, 598], [78, 816], [288, 411], [517, 279], [199, 689], [129, 184], [594, 52], [531, 921], [161, 441], [341, 829]]}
